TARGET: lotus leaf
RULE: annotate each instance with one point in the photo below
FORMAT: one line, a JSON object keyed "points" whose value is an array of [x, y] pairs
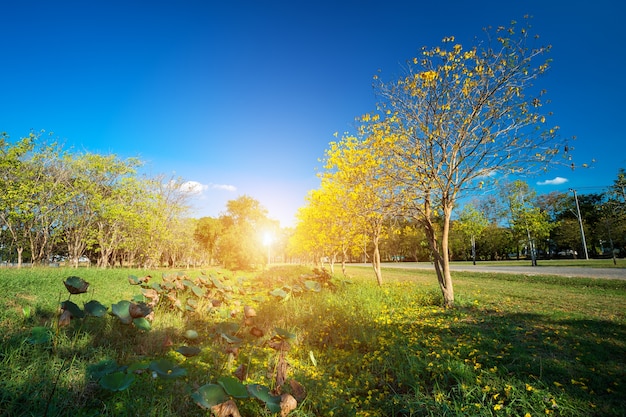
{"points": [[209, 395], [230, 338], [167, 369], [279, 292], [94, 308], [137, 310], [39, 335], [233, 387], [74, 310], [102, 368], [76, 285], [191, 334], [117, 381], [199, 292], [138, 367], [121, 310], [134, 280], [284, 334], [217, 283], [262, 393], [313, 285], [188, 351], [142, 324]]}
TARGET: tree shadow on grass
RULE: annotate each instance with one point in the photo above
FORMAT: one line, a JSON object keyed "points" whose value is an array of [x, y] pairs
{"points": [[580, 362]]}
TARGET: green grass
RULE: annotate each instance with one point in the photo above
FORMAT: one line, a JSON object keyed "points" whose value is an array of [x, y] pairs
{"points": [[515, 345]]}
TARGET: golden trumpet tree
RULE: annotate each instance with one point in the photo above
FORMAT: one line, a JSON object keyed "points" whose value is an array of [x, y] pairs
{"points": [[357, 171], [457, 120], [326, 227]]}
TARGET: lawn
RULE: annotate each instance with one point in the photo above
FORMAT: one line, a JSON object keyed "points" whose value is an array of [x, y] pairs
{"points": [[514, 345]]}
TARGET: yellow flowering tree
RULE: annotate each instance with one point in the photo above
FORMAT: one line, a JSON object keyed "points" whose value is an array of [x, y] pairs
{"points": [[358, 173], [460, 119]]}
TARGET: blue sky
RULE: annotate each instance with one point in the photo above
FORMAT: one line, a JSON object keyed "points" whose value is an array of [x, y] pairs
{"points": [[243, 97]]}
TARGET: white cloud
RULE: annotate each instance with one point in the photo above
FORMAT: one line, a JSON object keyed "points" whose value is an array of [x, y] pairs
{"points": [[193, 187], [225, 187], [556, 181]]}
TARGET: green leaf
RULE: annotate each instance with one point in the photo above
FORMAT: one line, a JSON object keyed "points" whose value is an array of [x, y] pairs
{"points": [[142, 324], [76, 285], [39, 335], [138, 366], [217, 283], [167, 369], [233, 387], [139, 298], [284, 334], [313, 285], [188, 351], [102, 368], [121, 310], [230, 339], [209, 395], [117, 381], [74, 310], [262, 393], [279, 292], [191, 334], [94, 308], [133, 280], [199, 292]]}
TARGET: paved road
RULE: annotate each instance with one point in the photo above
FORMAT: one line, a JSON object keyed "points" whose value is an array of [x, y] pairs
{"points": [[565, 271]]}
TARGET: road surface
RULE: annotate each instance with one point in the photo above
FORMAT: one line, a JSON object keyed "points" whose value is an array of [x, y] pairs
{"points": [[564, 271]]}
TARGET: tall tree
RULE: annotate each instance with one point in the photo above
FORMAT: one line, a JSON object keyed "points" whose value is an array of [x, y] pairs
{"points": [[472, 223], [243, 223], [460, 118], [207, 233]]}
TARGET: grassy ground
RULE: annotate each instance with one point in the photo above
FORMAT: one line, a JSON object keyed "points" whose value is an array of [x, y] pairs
{"points": [[514, 345]]}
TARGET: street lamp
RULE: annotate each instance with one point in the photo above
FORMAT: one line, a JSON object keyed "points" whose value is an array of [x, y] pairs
{"points": [[580, 223], [267, 241]]}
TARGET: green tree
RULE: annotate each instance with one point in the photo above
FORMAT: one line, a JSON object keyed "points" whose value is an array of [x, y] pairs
{"points": [[207, 233], [241, 244], [471, 223]]}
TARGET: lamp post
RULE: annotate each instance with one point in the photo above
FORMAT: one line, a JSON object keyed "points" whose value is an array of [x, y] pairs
{"points": [[267, 241], [580, 223]]}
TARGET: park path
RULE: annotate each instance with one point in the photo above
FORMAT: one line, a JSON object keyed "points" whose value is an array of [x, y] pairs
{"points": [[564, 271]]}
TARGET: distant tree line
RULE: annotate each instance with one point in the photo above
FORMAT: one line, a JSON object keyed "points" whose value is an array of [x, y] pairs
{"points": [[514, 223], [86, 208]]}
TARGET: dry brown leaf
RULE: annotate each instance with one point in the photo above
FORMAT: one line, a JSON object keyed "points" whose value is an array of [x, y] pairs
{"points": [[256, 332], [287, 404], [249, 312], [281, 370], [65, 318], [241, 372], [227, 409], [167, 341], [297, 390]]}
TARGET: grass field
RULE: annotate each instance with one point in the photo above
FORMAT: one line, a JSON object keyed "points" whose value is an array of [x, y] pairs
{"points": [[514, 345]]}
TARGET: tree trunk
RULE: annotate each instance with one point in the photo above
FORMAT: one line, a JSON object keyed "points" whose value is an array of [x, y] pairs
{"points": [[441, 257], [376, 262]]}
